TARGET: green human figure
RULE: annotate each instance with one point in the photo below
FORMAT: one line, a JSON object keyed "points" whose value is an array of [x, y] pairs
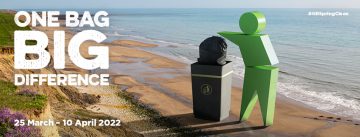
{"points": [[260, 80]]}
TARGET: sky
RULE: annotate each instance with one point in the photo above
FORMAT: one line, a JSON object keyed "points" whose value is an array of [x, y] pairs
{"points": [[82, 4]]}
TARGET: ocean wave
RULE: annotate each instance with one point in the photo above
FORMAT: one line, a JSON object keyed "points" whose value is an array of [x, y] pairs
{"points": [[331, 102], [152, 40], [116, 33], [238, 65]]}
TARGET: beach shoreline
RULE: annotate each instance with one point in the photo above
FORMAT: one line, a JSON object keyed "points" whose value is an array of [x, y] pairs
{"points": [[143, 46], [287, 109]]}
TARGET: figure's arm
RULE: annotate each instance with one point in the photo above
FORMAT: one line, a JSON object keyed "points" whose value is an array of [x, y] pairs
{"points": [[229, 33], [232, 36], [269, 50]]}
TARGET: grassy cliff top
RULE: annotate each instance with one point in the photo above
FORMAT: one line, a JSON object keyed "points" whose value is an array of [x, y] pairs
{"points": [[11, 99], [7, 28]]}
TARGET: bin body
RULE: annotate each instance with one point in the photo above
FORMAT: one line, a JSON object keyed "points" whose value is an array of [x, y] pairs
{"points": [[211, 90]]}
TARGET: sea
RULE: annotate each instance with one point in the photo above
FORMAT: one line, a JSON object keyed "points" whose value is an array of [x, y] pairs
{"points": [[319, 55]]}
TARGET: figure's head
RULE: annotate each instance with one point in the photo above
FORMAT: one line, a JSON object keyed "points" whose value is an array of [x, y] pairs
{"points": [[252, 22]]}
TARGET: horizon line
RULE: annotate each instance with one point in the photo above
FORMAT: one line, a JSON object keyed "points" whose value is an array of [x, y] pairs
{"points": [[191, 8]]}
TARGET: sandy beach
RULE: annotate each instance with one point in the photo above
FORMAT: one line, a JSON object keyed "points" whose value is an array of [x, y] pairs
{"points": [[164, 84]]}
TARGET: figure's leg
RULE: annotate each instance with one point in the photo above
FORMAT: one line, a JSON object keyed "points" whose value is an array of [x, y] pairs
{"points": [[249, 95], [267, 93], [247, 104]]}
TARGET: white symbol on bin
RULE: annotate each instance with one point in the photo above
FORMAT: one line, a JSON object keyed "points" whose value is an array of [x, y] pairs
{"points": [[206, 89]]}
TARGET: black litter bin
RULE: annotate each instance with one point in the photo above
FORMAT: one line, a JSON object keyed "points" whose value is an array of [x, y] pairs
{"points": [[211, 80], [211, 90]]}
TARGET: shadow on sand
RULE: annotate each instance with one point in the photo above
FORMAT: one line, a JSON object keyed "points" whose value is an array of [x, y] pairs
{"points": [[188, 125]]}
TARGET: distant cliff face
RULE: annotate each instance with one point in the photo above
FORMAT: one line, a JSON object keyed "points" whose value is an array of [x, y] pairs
{"points": [[6, 71]]}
